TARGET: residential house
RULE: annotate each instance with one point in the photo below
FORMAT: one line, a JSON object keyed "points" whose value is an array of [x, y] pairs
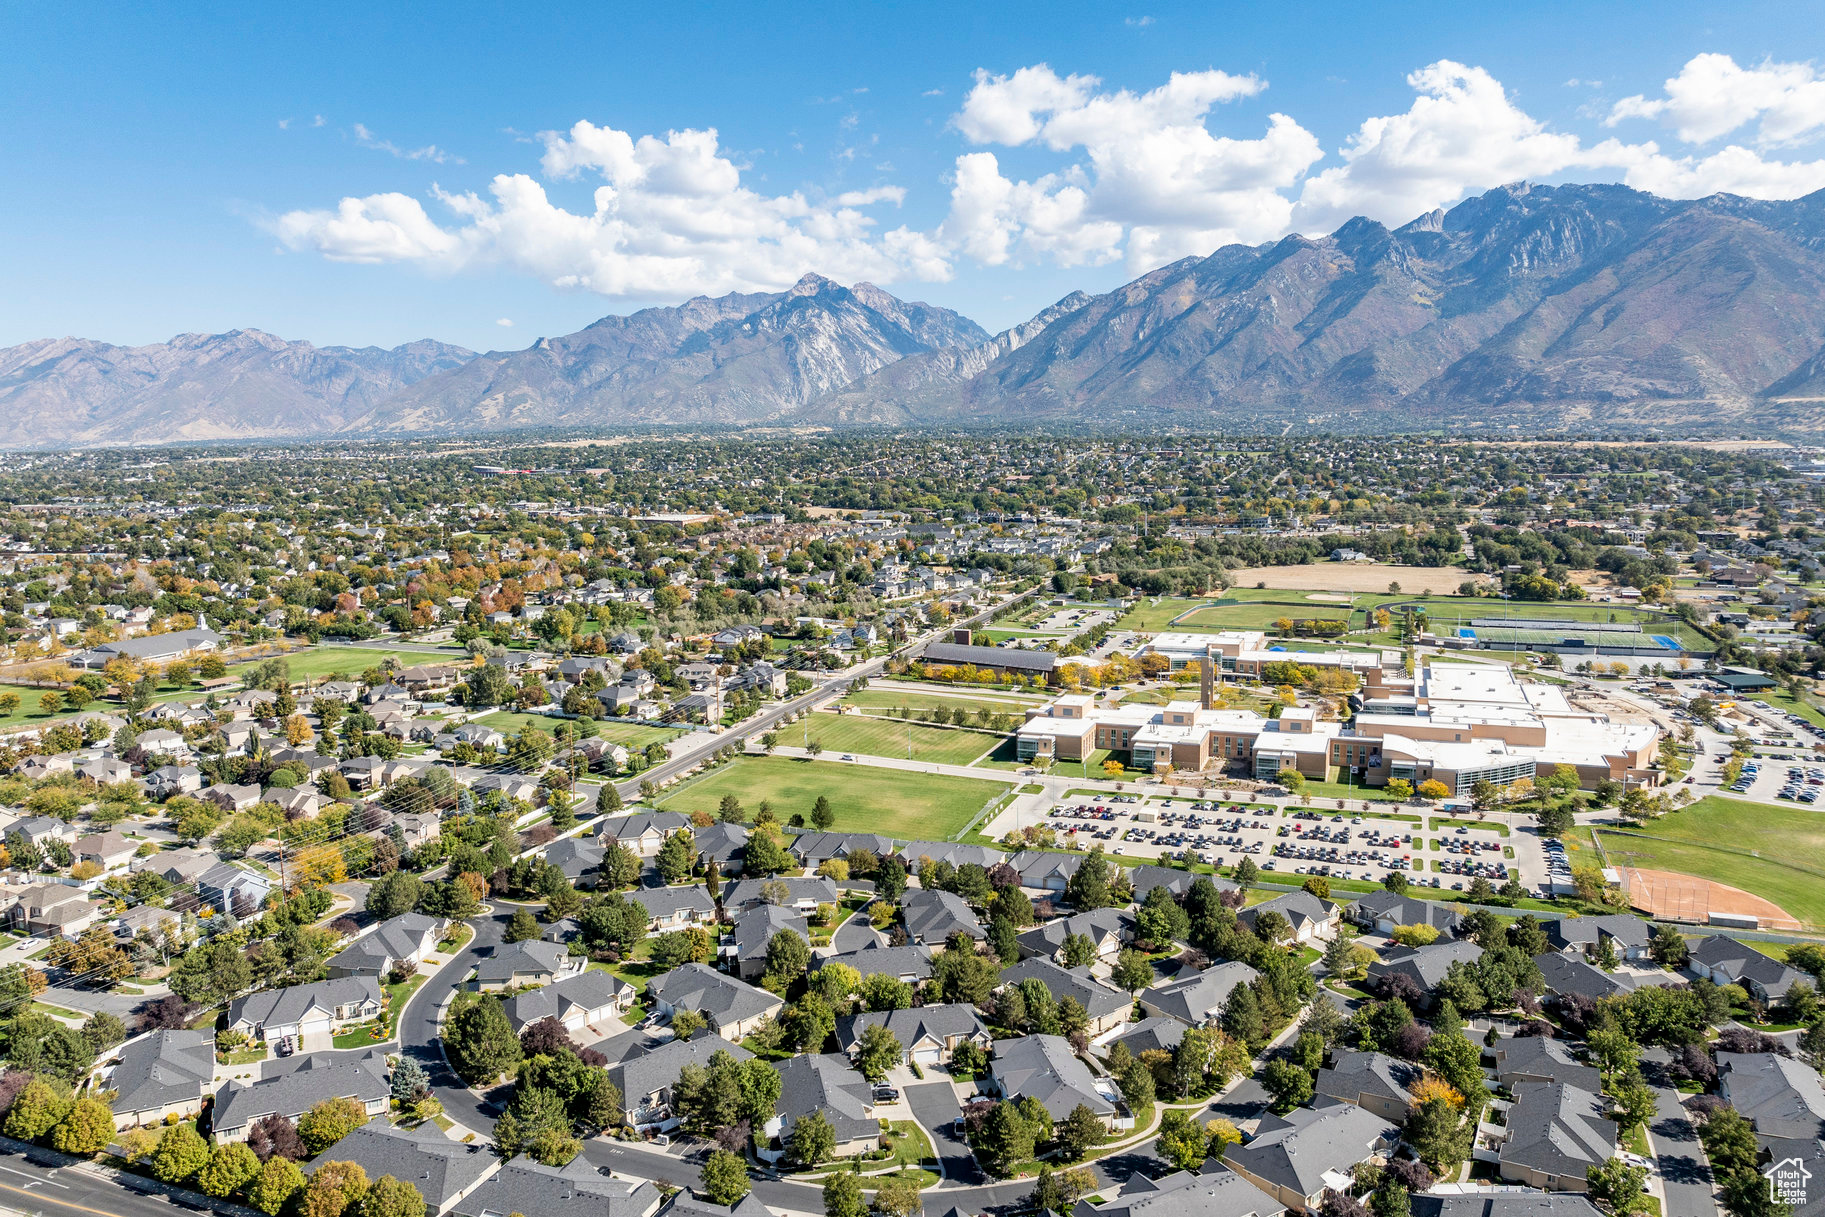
{"points": [[1108, 930], [1376, 1081], [161, 1074], [928, 1035], [108, 850], [579, 1189], [1294, 1158], [1107, 1008], [229, 797], [1044, 870], [1214, 1192], [405, 939], [1197, 998], [825, 1084], [672, 908], [1784, 1100], [168, 781], [722, 844], [1726, 961], [515, 965], [40, 831], [1554, 1134], [733, 1009], [1627, 935], [583, 1000], [1312, 920], [1155, 1032], [932, 916], [646, 1078], [53, 910], [232, 889], [308, 1015], [580, 860], [643, 832], [443, 1171], [1539, 1059], [745, 951], [1572, 976], [803, 893], [1043, 1068], [1383, 912], [815, 848], [1424, 966], [181, 866], [239, 1104], [911, 963]]}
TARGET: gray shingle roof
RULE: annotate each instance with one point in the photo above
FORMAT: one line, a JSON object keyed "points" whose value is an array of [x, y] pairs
{"points": [[1352, 1075], [1100, 926], [826, 1083], [1296, 1150], [591, 990], [938, 1022], [293, 1094], [1541, 1058], [1215, 1192], [663, 902], [810, 887], [1426, 965], [1566, 975], [1506, 1204], [755, 928], [519, 958], [1097, 998], [1200, 996], [392, 940], [1558, 1129], [1405, 910], [1152, 1032], [721, 999], [908, 961], [163, 1069], [651, 1072], [283, 1007], [576, 1190], [1043, 1068], [1782, 1097], [437, 1166], [933, 916]]}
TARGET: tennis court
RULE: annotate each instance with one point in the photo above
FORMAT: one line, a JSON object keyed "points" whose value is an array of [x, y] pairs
{"points": [[1508, 639]]}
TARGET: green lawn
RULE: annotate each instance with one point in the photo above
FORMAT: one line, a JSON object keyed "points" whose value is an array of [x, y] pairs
{"points": [[350, 662], [1775, 852], [891, 700], [28, 715], [841, 733], [634, 735], [1780, 699], [910, 806]]}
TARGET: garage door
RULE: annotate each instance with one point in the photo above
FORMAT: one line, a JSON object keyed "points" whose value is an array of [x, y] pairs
{"points": [[925, 1056]]}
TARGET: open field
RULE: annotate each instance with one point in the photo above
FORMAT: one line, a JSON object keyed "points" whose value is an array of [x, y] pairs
{"points": [[318, 663], [890, 700], [1777, 853], [634, 735], [910, 806], [890, 737], [28, 714], [1354, 577], [1780, 699]]}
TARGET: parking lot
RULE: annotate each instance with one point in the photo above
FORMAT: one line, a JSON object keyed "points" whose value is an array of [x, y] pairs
{"points": [[1289, 841]]}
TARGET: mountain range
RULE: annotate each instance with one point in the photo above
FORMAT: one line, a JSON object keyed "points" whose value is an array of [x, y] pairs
{"points": [[1529, 307]]}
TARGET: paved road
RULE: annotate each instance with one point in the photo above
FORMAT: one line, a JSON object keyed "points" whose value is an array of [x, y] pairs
{"points": [[418, 1029], [934, 1105], [1684, 1173], [39, 1182]]}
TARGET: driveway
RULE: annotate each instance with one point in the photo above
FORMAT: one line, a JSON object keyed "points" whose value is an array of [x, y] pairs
{"points": [[935, 1106], [856, 934], [1684, 1173]]}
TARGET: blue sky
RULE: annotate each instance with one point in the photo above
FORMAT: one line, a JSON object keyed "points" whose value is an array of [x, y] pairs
{"points": [[364, 174]]}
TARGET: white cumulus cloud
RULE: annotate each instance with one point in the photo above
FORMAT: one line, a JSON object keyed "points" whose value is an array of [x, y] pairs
{"points": [[670, 219], [1712, 96], [1152, 181]]}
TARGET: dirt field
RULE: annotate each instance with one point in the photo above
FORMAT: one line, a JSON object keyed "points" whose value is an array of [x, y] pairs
{"points": [[1354, 577], [1686, 898]]}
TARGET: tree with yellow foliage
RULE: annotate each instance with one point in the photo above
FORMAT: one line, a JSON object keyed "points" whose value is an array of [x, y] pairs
{"points": [[323, 864], [1431, 1087], [298, 731]]}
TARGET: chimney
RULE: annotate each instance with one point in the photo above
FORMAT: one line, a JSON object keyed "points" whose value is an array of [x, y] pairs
{"points": [[961, 636], [1207, 682]]}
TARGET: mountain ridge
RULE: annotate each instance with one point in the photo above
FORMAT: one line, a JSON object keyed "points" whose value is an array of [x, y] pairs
{"points": [[1526, 307]]}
